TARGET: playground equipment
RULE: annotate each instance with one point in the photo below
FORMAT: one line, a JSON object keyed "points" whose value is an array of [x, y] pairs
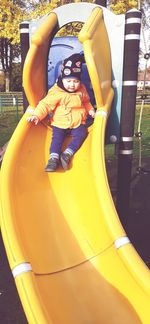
{"points": [[70, 256]]}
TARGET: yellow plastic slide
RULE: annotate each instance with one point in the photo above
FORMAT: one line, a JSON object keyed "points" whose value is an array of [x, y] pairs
{"points": [[70, 257]]}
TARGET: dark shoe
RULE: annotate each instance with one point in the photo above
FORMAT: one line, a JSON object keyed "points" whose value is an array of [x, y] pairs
{"points": [[65, 159], [52, 165]]}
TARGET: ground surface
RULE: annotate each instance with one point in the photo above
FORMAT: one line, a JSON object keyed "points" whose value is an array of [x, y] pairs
{"points": [[138, 228]]}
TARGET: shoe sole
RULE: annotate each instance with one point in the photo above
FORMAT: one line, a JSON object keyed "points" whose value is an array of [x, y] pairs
{"points": [[49, 170]]}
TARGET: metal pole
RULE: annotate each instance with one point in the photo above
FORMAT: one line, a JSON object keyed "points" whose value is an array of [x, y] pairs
{"points": [[130, 71], [24, 41]]}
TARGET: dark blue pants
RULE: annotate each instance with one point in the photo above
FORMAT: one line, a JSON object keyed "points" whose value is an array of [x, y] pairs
{"points": [[78, 136]]}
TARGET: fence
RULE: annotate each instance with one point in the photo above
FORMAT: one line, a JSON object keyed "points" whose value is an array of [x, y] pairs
{"points": [[11, 102], [145, 97]]}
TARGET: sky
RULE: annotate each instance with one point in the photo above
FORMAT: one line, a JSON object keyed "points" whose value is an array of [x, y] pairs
{"points": [[145, 47], [145, 36]]}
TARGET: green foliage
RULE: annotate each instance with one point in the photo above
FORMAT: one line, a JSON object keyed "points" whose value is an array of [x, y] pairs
{"points": [[122, 6], [72, 29], [39, 9], [10, 17], [12, 13]]}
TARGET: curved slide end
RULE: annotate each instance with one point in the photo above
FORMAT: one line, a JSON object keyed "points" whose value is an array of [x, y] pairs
{"points": [[68, 252]]}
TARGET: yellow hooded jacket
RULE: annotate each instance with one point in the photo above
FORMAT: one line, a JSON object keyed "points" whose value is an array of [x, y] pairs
{"points": [[69, 109]]}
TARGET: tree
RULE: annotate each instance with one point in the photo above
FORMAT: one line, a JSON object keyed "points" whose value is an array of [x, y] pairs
{"points": [[144, 6], [122, 6], [41, 8], [10, 17], [12, 13]]}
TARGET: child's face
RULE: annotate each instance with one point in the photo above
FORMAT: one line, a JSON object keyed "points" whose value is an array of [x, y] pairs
{"points": [[71, 84]]}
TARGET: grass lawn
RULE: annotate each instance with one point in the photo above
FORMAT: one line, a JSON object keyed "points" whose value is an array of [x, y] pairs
{"points": [[145, 138], [9, 121], [145, 129]]}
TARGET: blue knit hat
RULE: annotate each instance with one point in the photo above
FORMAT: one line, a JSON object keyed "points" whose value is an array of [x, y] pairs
{"points": [[72, 67]]}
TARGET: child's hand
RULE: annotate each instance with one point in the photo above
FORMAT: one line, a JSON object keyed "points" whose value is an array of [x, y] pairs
{"points": [[92, 113], [34, 119]]}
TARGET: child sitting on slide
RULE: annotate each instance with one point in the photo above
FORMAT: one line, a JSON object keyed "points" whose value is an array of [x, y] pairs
{"points": [[69, 103]]}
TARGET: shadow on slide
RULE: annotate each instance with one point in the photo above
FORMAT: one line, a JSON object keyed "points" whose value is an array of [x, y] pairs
{"points": [[68, 252]]}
